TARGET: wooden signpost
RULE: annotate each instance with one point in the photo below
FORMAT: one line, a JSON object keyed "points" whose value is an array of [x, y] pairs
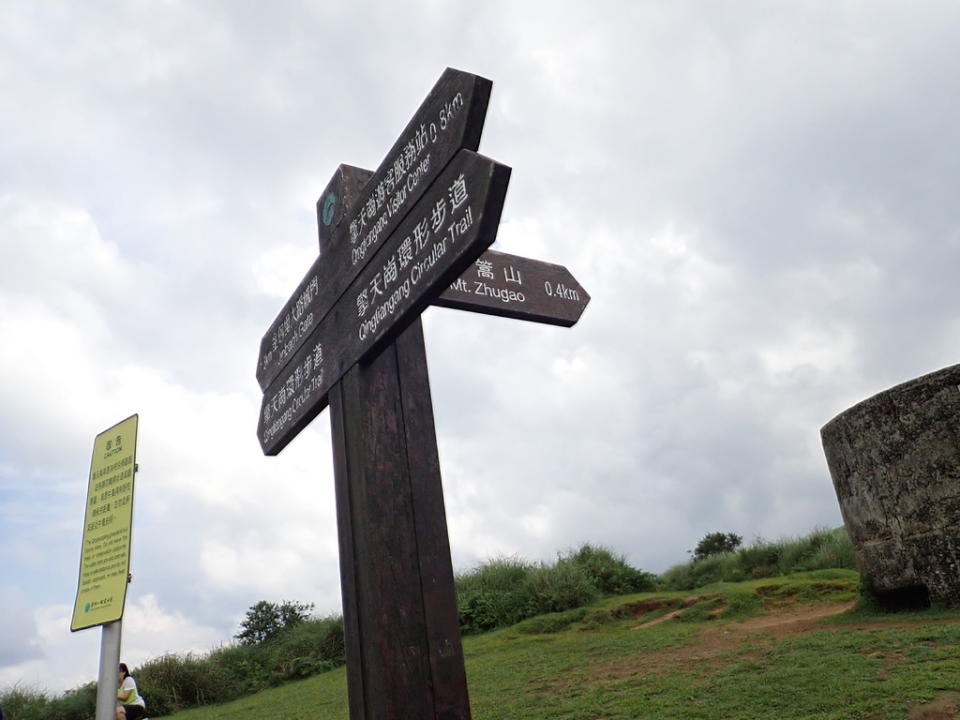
{"points": [[392, 242]]}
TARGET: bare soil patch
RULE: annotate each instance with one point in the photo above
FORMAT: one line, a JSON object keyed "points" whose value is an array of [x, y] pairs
{"points": [[641, 609], [716, 642], [945, 707], [793, 620]]}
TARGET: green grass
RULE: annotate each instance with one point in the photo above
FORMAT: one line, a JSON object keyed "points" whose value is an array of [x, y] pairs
{"points": [[597, 664], [820, 549]]}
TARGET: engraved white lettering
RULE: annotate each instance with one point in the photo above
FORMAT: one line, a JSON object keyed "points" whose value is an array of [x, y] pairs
{"points": [[501, 294], [560, 291]]}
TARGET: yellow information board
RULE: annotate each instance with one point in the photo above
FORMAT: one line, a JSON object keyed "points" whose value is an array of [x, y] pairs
{"points": [[105, 553]]}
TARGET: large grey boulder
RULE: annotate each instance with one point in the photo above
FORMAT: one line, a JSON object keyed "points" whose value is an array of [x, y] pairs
{"points": [[895, 464]]}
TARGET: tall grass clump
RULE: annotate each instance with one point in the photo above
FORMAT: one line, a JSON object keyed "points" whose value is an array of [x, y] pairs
{"points": [[506, 590], [77, 704], [561, 587], [312, 647], [19, 703], [246, 667], [494, 594], [820, 550], [610, 573], [174, 682]]}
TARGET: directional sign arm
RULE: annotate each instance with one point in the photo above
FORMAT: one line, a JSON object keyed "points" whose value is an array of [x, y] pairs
{"points": [[497, 284], [450, 119], [447, 230], [517, 287]]}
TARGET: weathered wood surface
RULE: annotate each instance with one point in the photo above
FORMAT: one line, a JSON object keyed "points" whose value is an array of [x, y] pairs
{"points": [[404, 654], [447, 230], [450, 119], [387, 404], [342, 193]]}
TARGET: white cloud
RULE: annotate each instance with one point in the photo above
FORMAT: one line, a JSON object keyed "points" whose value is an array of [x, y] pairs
{"points": [[18, 643], [72, 659], [280, 269], [757, 199]]}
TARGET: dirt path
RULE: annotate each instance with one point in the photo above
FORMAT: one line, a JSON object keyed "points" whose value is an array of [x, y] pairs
{"points": [[787, 622], [716, 642], [721, 642]]}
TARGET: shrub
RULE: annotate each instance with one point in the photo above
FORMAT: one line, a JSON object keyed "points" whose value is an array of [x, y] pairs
{"points": [[820, 550], [609, 573], [174, 682], [246, 668], [834, 550], [762, 559], [716, 543], [19, 703], [312, 647], [554, 589], [265, 620], [506, 590], [495, 594], [77, 704]]}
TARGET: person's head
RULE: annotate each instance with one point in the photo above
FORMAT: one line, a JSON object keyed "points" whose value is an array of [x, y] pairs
{"points": [[124, 671]]}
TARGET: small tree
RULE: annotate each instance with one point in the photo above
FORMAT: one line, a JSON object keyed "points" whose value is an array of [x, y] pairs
{"points": [[715, 544], [266, 620]]}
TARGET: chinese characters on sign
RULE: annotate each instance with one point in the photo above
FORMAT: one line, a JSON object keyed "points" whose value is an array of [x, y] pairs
{"points": [[450, 119], [517, 287], [105, 554], [454, 221]]}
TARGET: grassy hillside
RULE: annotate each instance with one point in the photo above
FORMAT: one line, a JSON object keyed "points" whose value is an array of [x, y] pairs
{"points": [[782, 648]]}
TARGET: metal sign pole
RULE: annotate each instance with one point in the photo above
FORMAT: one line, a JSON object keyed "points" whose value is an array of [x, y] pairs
{"points": [[107, 679]]}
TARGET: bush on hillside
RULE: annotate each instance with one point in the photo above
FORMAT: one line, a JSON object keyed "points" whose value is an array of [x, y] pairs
{"points": [[563, 586], [265, 620], [176, 682], [246, 667], [171, 683], [77, 704], [494, 594], [504, 591], [820, 550], [762, 559], [311, 647], [716, 543], [21, 704], [610, 573]]}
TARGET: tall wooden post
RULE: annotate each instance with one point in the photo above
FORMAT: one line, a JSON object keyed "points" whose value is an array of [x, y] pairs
{"points": [[404, 655]]}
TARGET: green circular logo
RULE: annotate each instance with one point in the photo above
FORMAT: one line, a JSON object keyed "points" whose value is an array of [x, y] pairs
{"points": [[329, 208]]}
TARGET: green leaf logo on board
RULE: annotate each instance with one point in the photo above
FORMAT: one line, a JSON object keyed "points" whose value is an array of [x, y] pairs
{"points": [[329, 208]]}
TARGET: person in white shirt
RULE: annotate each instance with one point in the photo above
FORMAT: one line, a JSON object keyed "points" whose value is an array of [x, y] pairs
{"points": [[130, 706]]}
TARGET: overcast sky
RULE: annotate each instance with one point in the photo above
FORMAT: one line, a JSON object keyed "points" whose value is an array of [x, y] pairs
{"points": [[759, 197]]}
